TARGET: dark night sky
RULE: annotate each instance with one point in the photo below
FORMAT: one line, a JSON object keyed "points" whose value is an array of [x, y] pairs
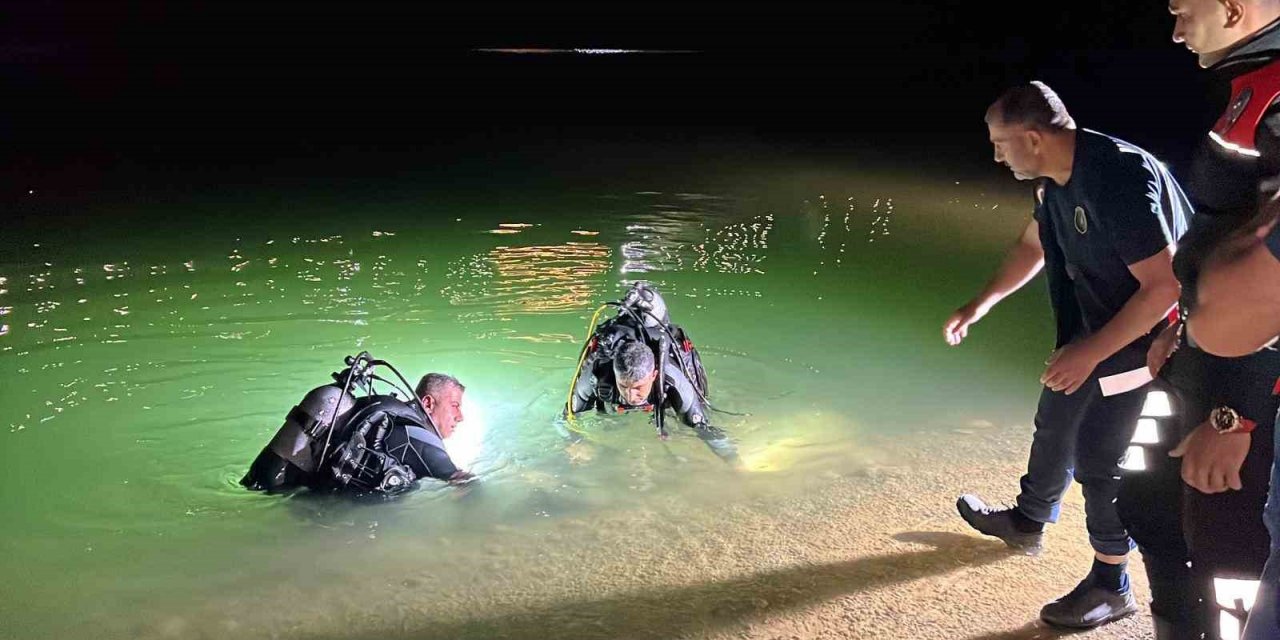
{"points": [[167, 80]]}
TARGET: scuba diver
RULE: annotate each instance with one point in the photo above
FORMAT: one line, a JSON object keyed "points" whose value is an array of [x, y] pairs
{"points": [[619, 366], [376, 443]]}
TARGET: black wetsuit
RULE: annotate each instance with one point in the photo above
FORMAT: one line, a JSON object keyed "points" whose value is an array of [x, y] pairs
{"points": [[407, 441], [421, 450], [596, 387]]}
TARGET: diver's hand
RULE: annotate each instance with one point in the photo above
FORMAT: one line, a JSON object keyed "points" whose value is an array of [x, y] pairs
{"points": [[461, 477], [957, 326], [709, 432], [565, 428], [1163, 347], [1069, 367], [1211, 461]]}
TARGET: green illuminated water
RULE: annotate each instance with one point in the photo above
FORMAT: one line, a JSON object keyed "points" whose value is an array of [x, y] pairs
{"points": [[147, 364]]}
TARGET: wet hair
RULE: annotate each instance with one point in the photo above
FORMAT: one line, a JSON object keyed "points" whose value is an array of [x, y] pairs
{"points": [[1033, 105], [633, 362], [434, 383]]}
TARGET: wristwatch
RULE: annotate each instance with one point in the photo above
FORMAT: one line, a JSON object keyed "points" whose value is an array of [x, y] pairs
{"points": [[1227, 420]]}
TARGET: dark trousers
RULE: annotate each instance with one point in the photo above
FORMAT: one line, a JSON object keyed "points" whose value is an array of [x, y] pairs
{"points": [[1082, 436], [1220, 535]]}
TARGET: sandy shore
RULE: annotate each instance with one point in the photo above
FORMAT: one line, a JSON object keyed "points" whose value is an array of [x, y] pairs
{"points": [[874, 552]]}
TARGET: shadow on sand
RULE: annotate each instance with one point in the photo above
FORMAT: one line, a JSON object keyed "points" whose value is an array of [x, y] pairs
{"points": [[708, 607]]}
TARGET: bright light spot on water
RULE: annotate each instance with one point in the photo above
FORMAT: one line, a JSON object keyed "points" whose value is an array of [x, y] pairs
{"points": [[1157, 405], [775, 456], [1148, 432], [467, 441]]}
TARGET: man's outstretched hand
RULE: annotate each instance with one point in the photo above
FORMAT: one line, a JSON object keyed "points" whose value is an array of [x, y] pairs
{"points": [[957, 326]]}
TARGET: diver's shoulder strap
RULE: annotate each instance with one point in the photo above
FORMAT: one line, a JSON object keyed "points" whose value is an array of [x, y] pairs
{"points": [[310, 426]]}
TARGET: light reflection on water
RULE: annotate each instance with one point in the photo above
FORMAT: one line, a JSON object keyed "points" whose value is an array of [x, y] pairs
{"points": [[529, 279], [152, 381]]}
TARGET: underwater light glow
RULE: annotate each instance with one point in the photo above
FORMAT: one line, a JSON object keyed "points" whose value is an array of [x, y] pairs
{"points": [[467, 441], [774, 456]]}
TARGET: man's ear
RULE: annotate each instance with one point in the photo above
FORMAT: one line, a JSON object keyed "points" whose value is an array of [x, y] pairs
{"points": [[428, 402], [1035, 139], [1235, 12]]}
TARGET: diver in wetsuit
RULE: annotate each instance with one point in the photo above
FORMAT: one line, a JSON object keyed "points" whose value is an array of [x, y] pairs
{"points": [[377, 443], [626, 357]]}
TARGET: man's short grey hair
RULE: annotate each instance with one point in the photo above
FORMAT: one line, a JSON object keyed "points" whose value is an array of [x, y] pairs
{"points": [[633, 362], [1033, 105], [433, 384]]}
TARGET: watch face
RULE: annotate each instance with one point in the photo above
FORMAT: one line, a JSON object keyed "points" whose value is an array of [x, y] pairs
{"points": [[1224, 418]]}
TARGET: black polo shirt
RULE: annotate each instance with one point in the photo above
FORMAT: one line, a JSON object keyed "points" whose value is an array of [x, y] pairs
{"points": [[1120, 207]]}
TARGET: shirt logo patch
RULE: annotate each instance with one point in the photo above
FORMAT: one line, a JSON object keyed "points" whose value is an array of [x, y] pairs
{"points": [[1082, 221]]}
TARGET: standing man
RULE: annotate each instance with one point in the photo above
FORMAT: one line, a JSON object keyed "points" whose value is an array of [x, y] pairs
{"points": [[1225, 461], [1106, 218]]}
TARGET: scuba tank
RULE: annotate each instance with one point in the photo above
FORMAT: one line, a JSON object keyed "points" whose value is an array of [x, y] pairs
{"points": [[645, 307], [293, 455], [642, 298]]}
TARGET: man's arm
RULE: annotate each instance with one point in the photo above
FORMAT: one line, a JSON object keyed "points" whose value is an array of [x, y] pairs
{"points": [[1235, 313], [584, 387], [1238, 307], [1021, 263], [1158, 291], [683, 397]]}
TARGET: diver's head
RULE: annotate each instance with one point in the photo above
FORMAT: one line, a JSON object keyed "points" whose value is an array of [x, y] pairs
{"points": [[1029, 127], [634, 372], [441, 397], [645, 299]]}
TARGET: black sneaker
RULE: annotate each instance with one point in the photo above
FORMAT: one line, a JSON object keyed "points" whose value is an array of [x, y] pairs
{"points": [[1003, 523], [1088, 606]]}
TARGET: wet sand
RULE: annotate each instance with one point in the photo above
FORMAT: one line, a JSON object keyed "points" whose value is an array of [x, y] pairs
{"points": [[875, 551]]}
